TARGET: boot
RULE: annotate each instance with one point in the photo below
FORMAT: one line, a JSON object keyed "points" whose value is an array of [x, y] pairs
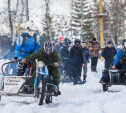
{"points": [[95, 68], [77, 81], [48, 100], [92, 68], [57, 92], [74, 81], [84, 78]]}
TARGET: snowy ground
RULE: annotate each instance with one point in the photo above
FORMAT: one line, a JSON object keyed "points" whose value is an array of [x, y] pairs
{"points": [[87, 98]]}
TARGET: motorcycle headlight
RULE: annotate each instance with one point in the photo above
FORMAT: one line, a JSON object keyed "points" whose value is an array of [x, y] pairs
{"points": [[40, 64]]}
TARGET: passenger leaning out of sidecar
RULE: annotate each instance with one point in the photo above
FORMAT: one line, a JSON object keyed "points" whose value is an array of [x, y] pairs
{"points": [[119, 63]]}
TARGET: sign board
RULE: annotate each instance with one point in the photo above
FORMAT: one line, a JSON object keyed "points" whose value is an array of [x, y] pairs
{"points": [[12, 84]]}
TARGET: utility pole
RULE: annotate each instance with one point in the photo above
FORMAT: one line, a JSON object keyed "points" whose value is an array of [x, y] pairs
{"points": [[101, 25], [101, 16], [19, 30]]}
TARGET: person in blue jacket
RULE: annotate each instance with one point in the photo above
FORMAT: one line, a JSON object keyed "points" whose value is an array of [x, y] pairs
{"points": [[27, 43], [86, 56], [119, 62]]}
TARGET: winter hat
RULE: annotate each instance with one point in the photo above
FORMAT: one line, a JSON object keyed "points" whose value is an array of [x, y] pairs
{"points": [[61, 38], [109, 42], [94, 39]]}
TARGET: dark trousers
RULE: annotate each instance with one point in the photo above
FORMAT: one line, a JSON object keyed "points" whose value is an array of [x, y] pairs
{"points": [[85, 70], [107, 64], [66, 69], [94, 61], [76, 73], [21, 68]]}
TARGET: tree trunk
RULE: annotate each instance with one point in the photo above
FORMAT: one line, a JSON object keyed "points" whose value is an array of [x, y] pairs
{"points": [[22, 2], [27, 11], [10, 18], [47, 19]]}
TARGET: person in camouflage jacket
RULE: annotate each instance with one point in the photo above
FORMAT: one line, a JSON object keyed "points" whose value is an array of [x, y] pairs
{"points": [[94, 47]]}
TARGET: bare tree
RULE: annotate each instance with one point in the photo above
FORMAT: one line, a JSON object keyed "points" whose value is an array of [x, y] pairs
{"points": [[47, 19], [117, 18]]}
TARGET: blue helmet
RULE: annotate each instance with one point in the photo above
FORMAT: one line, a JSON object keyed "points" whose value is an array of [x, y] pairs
{"points": [[67, 40]]}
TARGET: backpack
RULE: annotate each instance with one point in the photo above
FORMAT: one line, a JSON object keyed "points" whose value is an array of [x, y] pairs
{"points": [[24, 38]]}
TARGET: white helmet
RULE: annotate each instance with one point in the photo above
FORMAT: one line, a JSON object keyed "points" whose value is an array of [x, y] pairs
{"points": [[29, 25]]}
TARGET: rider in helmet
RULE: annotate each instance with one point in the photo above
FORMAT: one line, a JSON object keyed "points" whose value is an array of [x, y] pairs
{"points": [[49, 56]]}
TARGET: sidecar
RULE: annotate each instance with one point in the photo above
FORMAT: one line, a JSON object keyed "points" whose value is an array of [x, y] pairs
{"points": [[12, 85], [116, 77]]}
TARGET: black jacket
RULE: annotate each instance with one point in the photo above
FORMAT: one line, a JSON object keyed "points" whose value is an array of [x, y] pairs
{"points": [[109, 53], [76, 56], [64, 54]]}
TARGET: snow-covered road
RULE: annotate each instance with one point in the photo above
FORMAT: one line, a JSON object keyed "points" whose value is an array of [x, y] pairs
{"points": [[87, 98]]}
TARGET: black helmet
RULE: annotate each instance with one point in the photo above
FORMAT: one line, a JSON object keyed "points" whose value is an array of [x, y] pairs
{"points": [[67, 41], [124, 43], [48, 47], [77, 42]]}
